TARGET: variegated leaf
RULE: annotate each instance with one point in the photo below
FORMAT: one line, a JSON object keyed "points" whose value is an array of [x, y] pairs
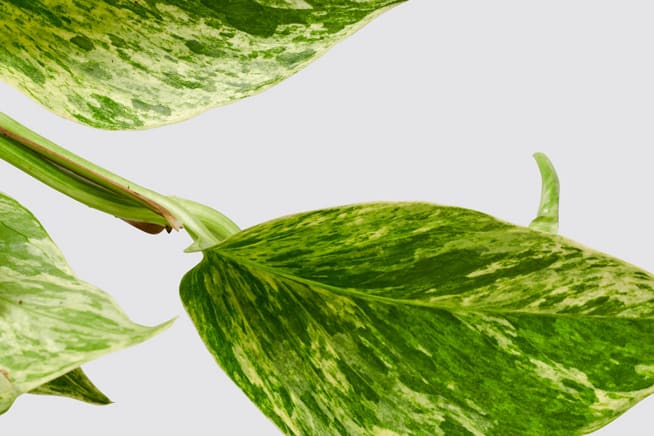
{"points": [[74, 384], [412, 318], [133, 64], [51, 322]]}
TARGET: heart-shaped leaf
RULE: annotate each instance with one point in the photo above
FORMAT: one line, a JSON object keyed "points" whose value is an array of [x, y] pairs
{"points": [[413, 318], [50, 321], [133, 64]]}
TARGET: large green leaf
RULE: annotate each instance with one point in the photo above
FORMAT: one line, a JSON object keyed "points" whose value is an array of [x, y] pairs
{"points": [[50, 321], [124, 64], [413, 318]]}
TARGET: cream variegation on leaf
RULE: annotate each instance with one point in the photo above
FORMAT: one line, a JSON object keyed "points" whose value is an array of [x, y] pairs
{"points": [[135, 64], [50, 321], [415, 318]]}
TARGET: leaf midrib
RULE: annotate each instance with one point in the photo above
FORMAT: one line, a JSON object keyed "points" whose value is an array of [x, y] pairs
{"points": [[353, 293]]}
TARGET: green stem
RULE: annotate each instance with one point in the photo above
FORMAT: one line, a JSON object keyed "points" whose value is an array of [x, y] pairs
{"points": [[105, 191], [215, 223]]}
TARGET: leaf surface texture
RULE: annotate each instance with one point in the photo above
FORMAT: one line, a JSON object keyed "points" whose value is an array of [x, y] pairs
{"points": [[124, 64], [413, 318]]}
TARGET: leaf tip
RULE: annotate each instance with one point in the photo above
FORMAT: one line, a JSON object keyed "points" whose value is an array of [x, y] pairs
{"points": [[164, 325]]}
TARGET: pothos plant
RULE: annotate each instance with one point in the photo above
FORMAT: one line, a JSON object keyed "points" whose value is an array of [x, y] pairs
{"points": [[380, 318]]}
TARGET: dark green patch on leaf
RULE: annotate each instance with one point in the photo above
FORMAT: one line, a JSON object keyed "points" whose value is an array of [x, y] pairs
{"points": [[82, 42], [74, 384]]}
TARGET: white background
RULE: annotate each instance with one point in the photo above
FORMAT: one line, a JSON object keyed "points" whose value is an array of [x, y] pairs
{"points": [[441, 101]]}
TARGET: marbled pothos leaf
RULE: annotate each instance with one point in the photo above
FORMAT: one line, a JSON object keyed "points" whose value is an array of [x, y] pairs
{"points": [[413, 318], [125, 64], [74, 384], [50, 321]]}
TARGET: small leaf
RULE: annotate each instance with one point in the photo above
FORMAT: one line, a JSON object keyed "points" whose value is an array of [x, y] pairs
{"points": [[128, 64], [51, 322], [548, 210], [413, 318], [74, 384]]}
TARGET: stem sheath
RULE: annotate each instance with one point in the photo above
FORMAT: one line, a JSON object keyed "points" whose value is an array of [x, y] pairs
{"points": [[106, 191]]}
